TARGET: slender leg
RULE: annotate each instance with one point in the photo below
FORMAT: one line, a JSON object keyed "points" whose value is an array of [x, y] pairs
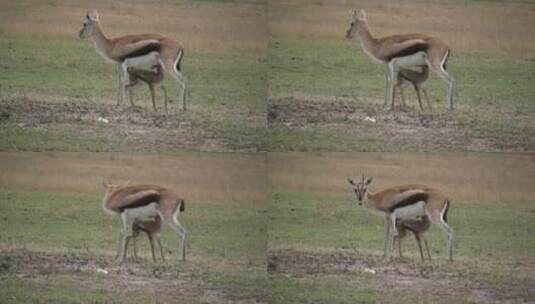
{"points": [[164, 98], [418, 241], [426, 247], [126, 245], [151, 88], [160, 246], [417, 89], [128, 89], [394, 96], [389, 239], [429, 105], [182, 234], [182, 81], [135, 246], [450, 82], [152, 247], [119, 84], [399, 246], [402, 93], [119, 236], [436, 219], [393, 220], [387, 83], [124, 220], [392, 71]]}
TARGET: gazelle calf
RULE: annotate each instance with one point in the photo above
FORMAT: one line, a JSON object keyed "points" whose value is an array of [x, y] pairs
{"points": [[398, 51], [418, 226], [152, 228], [117, 50], [151, 77], [405, 202], [416, 77], [134, 202]]}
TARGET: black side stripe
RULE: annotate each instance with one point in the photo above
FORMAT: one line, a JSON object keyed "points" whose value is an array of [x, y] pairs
{"points": [[143, 201], [143, 51], [418, 47], [410, 200]]}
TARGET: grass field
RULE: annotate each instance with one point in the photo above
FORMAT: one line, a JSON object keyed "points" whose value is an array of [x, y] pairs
{"points": [[313, 68], [55, 234], [322, 245], [224, 65]]}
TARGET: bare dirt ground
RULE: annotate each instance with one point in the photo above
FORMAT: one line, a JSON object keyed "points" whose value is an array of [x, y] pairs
{"points": [[367, 272], [427, 131], [141, 128], [167, 283]]}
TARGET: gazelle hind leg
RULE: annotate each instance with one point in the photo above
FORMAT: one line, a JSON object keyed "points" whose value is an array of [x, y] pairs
{"points": [[426, 247], [120, 86], [440, 70], [151, 88], [429, 105], [402, 94], [437, 218], [164, 98], [124, 222], [173, 223], [417, 89], [398, 239], [386, 237], [387, 83], [419, 242], [392, 74], [151, 241], [157, 236], [170, 66]]}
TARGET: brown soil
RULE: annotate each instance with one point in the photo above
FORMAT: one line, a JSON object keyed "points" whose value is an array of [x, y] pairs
{"points": [[354, 270], [164, 281], [430, 130], [139, 128]]}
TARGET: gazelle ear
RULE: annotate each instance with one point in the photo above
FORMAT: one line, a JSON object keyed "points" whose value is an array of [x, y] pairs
{"points": [[105, 183], [351, 181], [93, 16], [126, 183], [362, 14], [369, 181]]}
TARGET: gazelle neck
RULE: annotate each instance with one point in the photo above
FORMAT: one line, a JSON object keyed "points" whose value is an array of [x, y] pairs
{"points": [[101, 43], [370, 200], [367, 41]]}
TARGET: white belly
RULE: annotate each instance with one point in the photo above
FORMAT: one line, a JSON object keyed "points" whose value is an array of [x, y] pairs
{"points": [[148, 210], [410, 212]]}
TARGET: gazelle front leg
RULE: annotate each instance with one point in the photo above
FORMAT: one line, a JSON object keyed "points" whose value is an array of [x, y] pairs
{"points": [[386, 236], [387, 83], [124, 236], [393, 71], [120, 85]]}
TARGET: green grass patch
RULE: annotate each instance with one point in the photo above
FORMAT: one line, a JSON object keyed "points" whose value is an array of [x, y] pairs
{"points": [[331, 222]]}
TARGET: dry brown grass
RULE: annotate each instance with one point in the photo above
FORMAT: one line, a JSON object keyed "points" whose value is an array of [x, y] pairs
{"points": [[502, 27], [214, 178], [203, 26], [486, 178]]}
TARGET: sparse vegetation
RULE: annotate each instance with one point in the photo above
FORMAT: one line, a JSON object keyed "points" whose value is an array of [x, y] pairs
{"points": [[321, 243], [54, 227], [492, 61]]}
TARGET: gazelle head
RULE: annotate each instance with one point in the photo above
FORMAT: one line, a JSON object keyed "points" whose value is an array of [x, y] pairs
{"points": [[357, 19], [110, 188], [361, 188], [91, 18]]}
